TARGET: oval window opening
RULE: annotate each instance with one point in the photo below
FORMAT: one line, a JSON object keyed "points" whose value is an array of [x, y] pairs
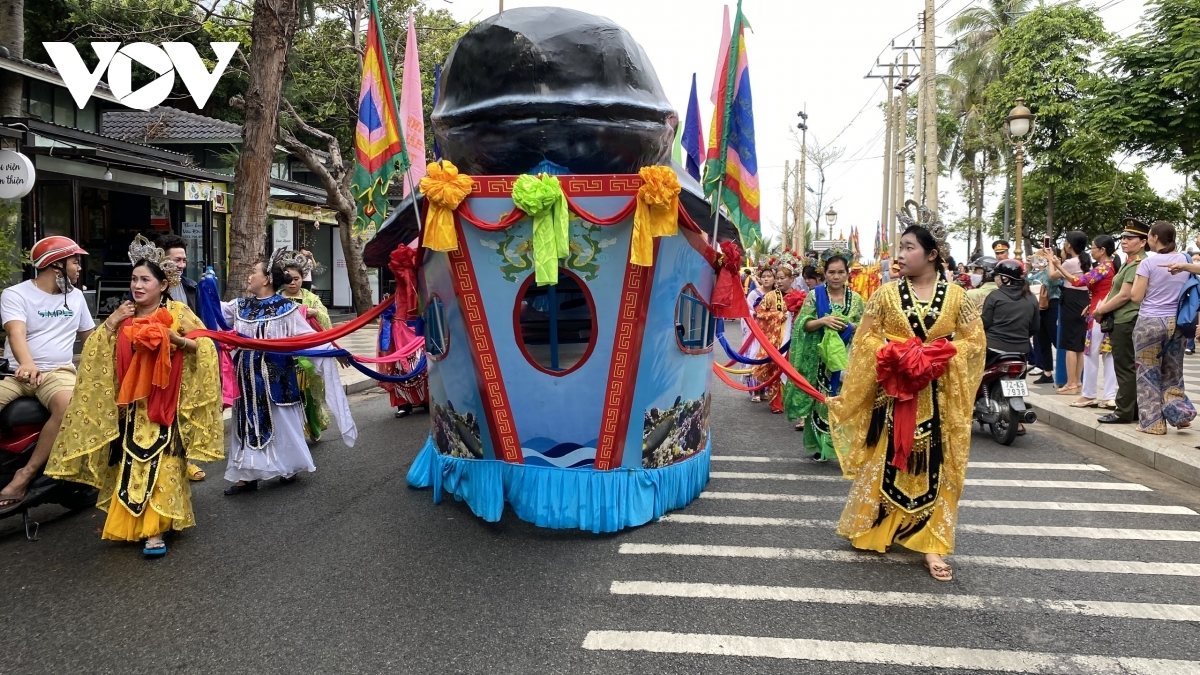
{"points": [[695, 325], [556, 325], [437, 334]]}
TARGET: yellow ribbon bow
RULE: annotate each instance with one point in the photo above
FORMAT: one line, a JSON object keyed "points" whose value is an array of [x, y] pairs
{"points": [[657, 213], [445, 188]]}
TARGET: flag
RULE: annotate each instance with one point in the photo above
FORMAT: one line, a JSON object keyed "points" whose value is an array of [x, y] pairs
{"points": [[851, 244], [855, 247], [677, 146], [412, 117], [878, 242], [693, 135], [437, 93], [731, 167], [378, 138], [719, 77], [885, 250]]}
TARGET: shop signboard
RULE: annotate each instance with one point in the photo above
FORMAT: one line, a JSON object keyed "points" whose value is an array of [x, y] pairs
{"points": [[16, 175], [283, 234], [191, 230]]}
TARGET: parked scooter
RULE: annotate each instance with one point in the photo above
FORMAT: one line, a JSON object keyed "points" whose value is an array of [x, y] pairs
{"points": [[1000, 401], [21, 424]]}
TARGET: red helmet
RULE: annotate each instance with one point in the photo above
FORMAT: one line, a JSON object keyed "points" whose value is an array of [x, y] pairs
{"points": [[52, 249]]}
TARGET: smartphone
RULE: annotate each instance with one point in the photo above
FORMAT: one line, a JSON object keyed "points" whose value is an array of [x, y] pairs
{"points": [[1045, 242]]}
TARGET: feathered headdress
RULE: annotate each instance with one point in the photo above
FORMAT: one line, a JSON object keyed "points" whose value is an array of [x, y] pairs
{"points": [[143, 249], [293, 259]]}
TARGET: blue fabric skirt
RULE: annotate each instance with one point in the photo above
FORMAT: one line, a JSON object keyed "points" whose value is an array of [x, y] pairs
{"points": [[559, 498]]}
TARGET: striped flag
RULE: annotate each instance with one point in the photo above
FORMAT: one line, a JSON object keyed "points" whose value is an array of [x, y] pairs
{"points": [[731, 167], [378, 138]]}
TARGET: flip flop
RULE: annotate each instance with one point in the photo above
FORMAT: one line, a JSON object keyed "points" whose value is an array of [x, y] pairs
{"points": [[155, 551], [947, 572], [12, 503]]}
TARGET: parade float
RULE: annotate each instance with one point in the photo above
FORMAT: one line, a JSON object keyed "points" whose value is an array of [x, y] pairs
{"points": [[566, 285]]}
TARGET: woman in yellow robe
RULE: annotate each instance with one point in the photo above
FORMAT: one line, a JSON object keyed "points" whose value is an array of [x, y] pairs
{"points": [[148, 399], [913, 500]]}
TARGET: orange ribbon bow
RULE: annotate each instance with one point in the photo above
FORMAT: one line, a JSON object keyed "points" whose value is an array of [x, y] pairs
{"points": [[151, 364]]}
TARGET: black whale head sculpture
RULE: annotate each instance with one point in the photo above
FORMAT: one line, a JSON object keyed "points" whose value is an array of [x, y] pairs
{"points": [[549, 84]]}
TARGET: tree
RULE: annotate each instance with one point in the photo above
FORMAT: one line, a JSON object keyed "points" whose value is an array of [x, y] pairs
{"points": [[1048, 55], [271, 34], [12, 38], [820, 158], [1150, 102], [1094, 203], [976, 149]]}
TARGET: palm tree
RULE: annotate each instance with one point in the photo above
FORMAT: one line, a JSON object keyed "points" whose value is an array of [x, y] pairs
{"points": [[977, 151]]}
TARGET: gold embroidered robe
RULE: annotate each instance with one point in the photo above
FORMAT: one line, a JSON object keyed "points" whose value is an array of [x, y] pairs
{"points": [[887, 505], [143, 469]]}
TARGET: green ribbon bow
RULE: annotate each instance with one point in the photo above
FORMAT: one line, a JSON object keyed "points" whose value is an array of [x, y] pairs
{"points": [[543, 199]]}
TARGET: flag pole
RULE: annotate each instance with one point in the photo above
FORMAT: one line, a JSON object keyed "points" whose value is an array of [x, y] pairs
{"points": [[717, 214]]}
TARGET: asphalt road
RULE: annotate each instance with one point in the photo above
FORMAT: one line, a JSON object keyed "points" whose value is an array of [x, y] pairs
{"points": [[350, 571]]}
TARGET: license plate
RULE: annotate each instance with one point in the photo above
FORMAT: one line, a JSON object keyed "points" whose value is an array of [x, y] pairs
{"points": [[1014, 388]]}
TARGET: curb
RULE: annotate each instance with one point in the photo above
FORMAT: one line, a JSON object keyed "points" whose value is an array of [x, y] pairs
{"points": [[1171, 457]]}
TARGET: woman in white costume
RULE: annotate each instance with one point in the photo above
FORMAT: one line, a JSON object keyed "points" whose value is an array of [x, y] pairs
{"points": [[268, 439]]}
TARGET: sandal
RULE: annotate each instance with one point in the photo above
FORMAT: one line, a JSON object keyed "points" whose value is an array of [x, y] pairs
{"points": [[195, 473], [288, 480], [1085, 403], [755, 399], [154, 551], [1067, 390], [940, 571], [12, 502], [245, 486], [800, 427]]}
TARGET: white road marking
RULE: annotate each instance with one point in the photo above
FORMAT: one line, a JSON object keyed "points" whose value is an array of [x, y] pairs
{"points": [[1007, 530], [1036, 466], [938, 601], [982, 482], [742, 475], [971, 503], [919, 656], [817, 555], [1056, 484]]}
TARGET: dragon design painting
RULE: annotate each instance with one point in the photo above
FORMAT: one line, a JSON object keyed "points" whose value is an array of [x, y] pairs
{"points": [[514, 250]]}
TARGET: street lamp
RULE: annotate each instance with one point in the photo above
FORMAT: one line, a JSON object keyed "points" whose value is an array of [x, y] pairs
{"points": [[1019, 123], [831, 220]]}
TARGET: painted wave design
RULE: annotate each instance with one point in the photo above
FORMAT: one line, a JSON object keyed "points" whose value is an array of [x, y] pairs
{"points": [[561, 455]]}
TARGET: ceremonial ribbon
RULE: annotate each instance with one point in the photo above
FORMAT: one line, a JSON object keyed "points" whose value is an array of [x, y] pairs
{"points": [[742, 387], [737, 355], [734, 371], [783, 363], [543, 199], [903, 368], [288, 344], [445, 188], [151, 364], [403, 265], [657, 213]]}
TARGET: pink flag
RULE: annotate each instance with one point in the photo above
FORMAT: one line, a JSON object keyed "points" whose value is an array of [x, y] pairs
{"points": [[412, 117], [719, 78]]}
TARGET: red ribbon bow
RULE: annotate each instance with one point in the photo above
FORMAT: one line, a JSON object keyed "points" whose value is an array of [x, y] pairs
{"points": [[403, 264], [903, 369], [728, 302], [795, 300]]}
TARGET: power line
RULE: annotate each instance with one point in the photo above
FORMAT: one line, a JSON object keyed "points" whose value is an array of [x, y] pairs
{"points": [[870, 99]]}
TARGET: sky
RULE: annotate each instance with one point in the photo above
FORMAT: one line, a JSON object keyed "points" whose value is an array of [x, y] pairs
{"points": [[802, 55]]}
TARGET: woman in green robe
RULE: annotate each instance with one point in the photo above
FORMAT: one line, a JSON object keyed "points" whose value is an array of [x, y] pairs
{"points": [[821, 334]]}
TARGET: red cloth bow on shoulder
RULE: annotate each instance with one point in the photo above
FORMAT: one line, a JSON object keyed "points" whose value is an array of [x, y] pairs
{"points": [[795, 300], [903, 369]]}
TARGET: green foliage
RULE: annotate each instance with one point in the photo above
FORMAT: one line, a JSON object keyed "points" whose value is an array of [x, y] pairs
{"points": [[1150, 104], [1048, 58], [10, 249], [1094, 203]]}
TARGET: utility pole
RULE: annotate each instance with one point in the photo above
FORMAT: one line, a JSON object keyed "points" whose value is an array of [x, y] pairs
{"points": [[919, 154], [929, 77], [901, 145], [786, 235], [800, 206], [886, 217], [798, 211]]}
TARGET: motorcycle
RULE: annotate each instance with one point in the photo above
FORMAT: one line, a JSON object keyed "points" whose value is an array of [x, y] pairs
{"points": [[21, 425], [1000, 400]]}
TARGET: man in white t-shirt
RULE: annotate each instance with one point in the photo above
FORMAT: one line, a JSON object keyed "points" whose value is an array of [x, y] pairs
{"points": [[43, 318]]}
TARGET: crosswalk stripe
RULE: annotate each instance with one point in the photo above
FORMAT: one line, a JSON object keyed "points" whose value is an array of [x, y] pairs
{"points": [[971, 503], [817, 555], [1037, 466], [919, 656], [1008, 530], [939, 601], [981, 482], [1057, 484]]}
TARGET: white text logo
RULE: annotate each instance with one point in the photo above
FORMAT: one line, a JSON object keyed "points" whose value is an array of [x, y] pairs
{"points": [[166, 60]]}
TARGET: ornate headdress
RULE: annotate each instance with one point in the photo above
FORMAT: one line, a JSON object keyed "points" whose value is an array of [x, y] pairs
{"points": [[837, 251], [790, 261], [143, 249], [295, 259], [919, 214]]}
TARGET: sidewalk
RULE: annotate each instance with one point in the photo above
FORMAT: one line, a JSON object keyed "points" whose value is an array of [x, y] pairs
{"points": [[1175, 454]]}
